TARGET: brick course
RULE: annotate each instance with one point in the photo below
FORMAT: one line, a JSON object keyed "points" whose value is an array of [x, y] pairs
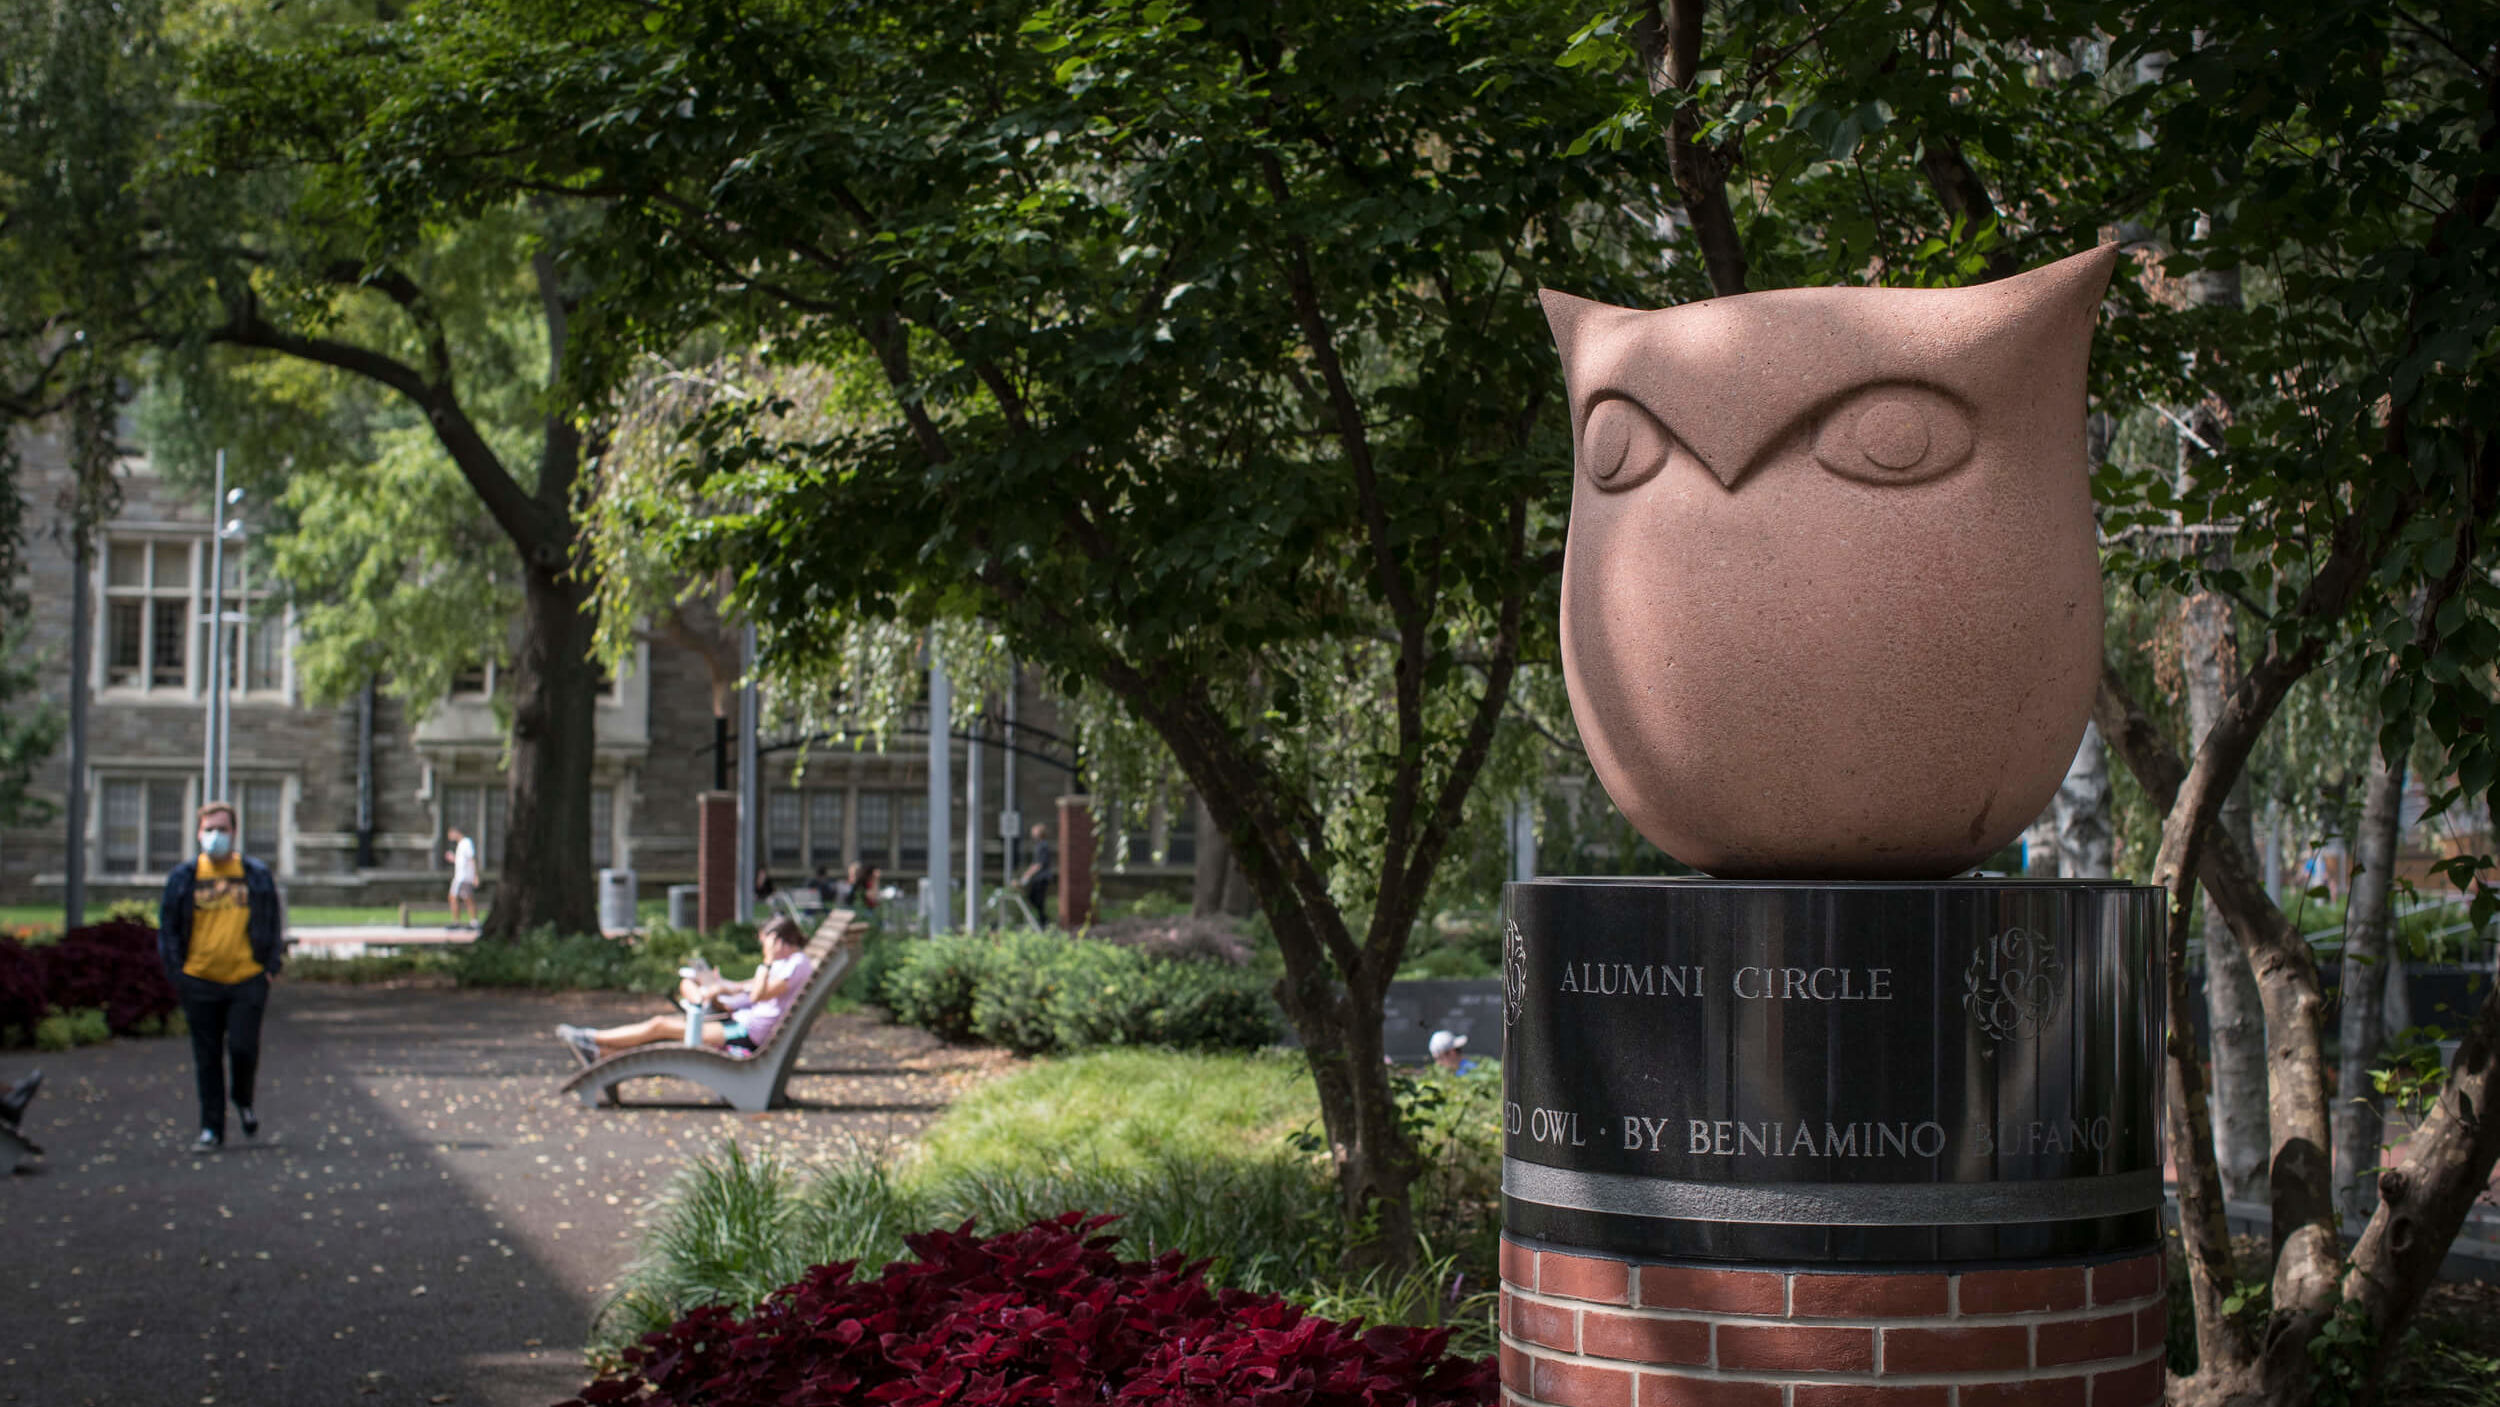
{"points": [[1582, 1330]]}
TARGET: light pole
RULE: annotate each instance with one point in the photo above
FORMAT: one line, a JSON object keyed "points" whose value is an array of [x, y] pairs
{"points": [[213, 730], [750, 778], [231, 531], [940, 874]]}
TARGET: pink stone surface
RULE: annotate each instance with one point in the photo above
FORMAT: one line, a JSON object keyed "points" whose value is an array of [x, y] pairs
{"points": [[1832, 599]]}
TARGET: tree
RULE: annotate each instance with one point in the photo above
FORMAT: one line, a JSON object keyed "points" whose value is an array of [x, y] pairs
{"points": [[82, 95], [2343, 160], [2363, 454], [443, 315], [1209, 375]]}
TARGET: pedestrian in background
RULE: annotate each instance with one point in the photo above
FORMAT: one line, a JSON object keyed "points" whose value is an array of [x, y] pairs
{"points": [[221, 932], [1040, 875], [463, 858]]}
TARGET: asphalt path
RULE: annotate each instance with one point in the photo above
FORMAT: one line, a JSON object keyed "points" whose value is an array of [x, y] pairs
{"points": [[423, 1219]]}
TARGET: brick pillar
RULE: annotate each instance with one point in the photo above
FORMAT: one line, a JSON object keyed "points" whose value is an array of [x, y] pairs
{"points": [[716, 858], [1592, 1331], [1076, 861]]}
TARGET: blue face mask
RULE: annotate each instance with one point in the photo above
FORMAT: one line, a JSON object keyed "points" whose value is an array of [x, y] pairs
{"points": [[216, 844]]}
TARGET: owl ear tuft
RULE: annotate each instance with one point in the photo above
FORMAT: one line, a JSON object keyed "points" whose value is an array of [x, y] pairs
{"points": [[1567, 314], [2076, 282]]}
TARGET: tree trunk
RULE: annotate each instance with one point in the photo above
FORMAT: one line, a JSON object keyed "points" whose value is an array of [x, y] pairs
{"points": [[1375, 1160], [2041, 858], [1668, 37], [2359, 1120], [1217, 885], [2234, 1009], [1332, 991], [2082, 810], [555, 695]]}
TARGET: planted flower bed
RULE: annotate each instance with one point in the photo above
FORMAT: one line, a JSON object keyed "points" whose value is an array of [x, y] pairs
{"points": [[1044, 1315], [104, 977]]}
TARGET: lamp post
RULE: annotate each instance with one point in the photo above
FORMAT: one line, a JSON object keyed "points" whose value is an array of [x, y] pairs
{"points": [[232, 531], [214, 720]]}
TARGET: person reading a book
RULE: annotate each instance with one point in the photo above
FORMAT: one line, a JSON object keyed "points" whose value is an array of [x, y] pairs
{"points": [[739, 1016]]}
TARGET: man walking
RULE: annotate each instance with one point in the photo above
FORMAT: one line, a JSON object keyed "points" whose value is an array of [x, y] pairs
{"points": [[1039, 876], [463, 858], [221, 935]]}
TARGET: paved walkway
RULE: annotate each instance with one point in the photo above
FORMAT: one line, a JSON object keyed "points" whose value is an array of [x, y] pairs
{"points": [[422, 1220]]}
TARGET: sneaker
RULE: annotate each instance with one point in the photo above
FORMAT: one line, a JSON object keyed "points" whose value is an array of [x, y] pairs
{"points": [[578, 1040], [209, 1141], [249, 1120]]}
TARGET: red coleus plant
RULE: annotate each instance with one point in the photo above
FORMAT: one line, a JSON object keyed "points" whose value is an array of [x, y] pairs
{"points": [[1044, 1316]]}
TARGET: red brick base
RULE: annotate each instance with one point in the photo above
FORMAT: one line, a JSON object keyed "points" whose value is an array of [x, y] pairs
{"points": [[1591, 1331]]}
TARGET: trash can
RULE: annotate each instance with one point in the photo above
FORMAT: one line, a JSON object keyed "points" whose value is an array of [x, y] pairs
{"points": [[617, 897], [685, 905]]}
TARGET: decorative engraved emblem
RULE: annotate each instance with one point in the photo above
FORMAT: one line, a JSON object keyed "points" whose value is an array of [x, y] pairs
{"points": [[2013, 985], [1514, 972]]}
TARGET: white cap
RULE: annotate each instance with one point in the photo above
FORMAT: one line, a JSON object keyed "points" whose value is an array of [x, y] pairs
{"points": [[1443, 1042]]}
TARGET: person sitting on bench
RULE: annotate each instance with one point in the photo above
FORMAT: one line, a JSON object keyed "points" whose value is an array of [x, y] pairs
{"points": [[752, 1008]]}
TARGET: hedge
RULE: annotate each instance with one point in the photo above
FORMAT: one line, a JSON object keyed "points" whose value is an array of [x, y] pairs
{"points": [[1040, 993]]}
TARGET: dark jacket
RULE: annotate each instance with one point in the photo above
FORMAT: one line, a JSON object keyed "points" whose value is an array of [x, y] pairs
{"points": [[266, 928]]}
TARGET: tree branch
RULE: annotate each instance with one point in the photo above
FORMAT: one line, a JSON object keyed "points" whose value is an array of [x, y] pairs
{"points": [[521, 518], [1670, 50], [1963, 195]]}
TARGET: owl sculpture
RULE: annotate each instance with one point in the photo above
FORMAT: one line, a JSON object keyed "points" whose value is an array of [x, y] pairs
{"points": [[1831, 602]]}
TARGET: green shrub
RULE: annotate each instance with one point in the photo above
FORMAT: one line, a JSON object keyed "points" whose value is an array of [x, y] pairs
{"points": [[932, 983], [877, 958], [1037, 993], [1455, 943], [64, 1029], [574, 961], [365, 968], [1017, 978]]}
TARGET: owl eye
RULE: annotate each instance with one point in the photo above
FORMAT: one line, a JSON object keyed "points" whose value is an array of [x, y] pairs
{"points": [[1894, 434], [1623, 446]]}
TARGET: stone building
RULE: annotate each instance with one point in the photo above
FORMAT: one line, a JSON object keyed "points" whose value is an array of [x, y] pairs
{"points": [[350, 801]]}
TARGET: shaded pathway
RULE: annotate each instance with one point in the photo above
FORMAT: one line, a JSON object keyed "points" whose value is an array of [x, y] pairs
{"points": [[423, 1219]]}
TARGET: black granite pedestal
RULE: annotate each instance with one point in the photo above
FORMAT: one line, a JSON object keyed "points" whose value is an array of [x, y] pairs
{"points": [[1897, 1094]]}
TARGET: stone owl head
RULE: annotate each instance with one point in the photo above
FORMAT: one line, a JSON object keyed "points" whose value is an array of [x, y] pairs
{"points": [[1831, 598]]}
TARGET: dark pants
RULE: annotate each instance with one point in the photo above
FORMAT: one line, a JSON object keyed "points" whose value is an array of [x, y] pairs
{"points": [[225, 1027], [1037, 892]]}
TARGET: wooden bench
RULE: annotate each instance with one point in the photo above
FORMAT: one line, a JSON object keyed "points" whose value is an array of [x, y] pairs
{"points": [[751, 1083]]}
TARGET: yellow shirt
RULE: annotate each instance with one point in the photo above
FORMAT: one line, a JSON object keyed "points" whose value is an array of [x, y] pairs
{"points": [[221, 923]]}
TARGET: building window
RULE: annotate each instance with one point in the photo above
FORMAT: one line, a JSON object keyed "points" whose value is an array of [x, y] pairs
{"points": [[1180, 847], [783, 845], [876, 829], [911, 843], [472, 681], [147, 613], [824, 829], [255, 643], [261, 819], [602, 828], [803, 830], [146, 824]]}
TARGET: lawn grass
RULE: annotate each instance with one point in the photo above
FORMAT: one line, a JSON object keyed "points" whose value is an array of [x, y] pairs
{"points": [[49, 916], [1123, 1108]]}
